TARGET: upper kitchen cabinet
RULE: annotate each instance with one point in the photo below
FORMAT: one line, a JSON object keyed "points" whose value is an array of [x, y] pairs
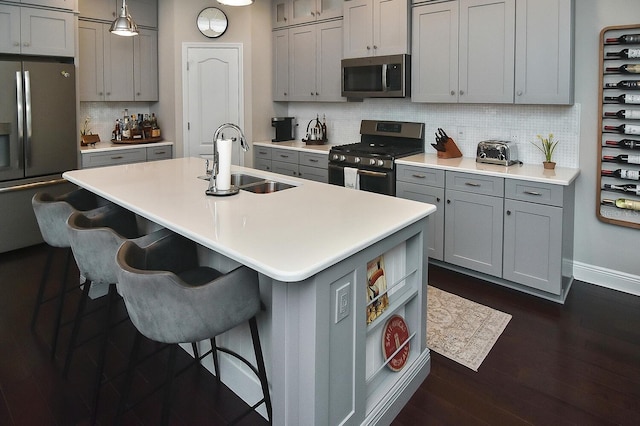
{"points": [[375, 27], [505, 51], [281, 65], [59, 4], [486, 51], [293, 12], [144, 12], [31, 31], [114, 68], [314, 62], [544, 52]]}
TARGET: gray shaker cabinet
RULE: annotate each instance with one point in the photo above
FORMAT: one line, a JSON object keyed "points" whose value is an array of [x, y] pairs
{"points": [[292, 162], [473, 222], [427, 186], [538, 235]]}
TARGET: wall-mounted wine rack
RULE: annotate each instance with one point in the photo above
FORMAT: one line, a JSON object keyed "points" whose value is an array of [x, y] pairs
{"points": [[618, 193]]}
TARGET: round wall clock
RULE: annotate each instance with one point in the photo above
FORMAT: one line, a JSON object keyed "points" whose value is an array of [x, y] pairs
{"points": [[212, 22]]}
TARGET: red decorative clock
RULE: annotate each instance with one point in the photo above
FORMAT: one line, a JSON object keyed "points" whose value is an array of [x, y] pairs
{"points": [[395, 336]]}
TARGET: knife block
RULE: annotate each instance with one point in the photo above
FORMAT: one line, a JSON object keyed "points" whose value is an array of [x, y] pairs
{"points": [[451, 150]]}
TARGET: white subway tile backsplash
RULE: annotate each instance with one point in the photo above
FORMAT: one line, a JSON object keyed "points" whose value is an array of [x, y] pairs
{"points": [[466, 124], [103, 115]]}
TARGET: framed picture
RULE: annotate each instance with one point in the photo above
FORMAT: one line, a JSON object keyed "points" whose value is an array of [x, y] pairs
{"points": [[377, 298]]}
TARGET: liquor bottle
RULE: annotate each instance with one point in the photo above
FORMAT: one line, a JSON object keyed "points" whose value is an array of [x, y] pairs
{"points": [[631, 188], [626, 69], [622, 158], [126, 129], [624, 143], [625, 53], [631, 114], [627, 129], [324, 128], [622, 174], [624, 99], [625, 84], [622, 203], [625, 39]]}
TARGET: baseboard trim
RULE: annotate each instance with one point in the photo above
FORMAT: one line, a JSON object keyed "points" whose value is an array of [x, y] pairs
{"points": [[608, 278]]}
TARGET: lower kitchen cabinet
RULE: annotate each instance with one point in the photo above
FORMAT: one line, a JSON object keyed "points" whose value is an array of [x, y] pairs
{"points": [[292, 162], [513, 232], [473, 222], [115, 156]]}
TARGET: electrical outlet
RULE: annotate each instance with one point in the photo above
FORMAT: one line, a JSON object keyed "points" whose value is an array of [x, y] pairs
{"points": [[342, 302]]}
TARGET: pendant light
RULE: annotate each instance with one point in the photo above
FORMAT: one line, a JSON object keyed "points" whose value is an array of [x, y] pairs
{"points": [[236, 2], [124, 25]]}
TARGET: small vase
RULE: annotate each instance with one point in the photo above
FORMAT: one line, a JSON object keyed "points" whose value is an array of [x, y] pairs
{"points": [[549, 165]]}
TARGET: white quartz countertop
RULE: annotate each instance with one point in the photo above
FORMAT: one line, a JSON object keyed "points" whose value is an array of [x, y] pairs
{"points": [[531, 172], [296, 146], [287, 235], [106, 146]]}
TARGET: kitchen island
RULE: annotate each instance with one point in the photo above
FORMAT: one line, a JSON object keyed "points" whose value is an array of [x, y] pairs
{"points": [[310, 244]]}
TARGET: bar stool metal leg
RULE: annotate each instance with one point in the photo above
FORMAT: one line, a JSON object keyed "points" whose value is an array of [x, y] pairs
{"points": [[63, 291]]}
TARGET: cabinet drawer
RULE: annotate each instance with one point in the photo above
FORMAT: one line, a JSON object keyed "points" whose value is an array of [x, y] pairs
{"points": [[114, 157], [314, 160], [159, 153], [262, 152], [420, 175], [314, 173], [262, 164], [283, 168], [285, 155], [541, 193], [477, 184]]}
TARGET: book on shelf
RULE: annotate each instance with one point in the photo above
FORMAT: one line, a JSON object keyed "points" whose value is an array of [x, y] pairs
{"points": [[377, 298]]}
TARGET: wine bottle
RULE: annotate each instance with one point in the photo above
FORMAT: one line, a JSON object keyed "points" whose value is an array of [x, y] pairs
{"points": [[624, 143], [624, 39], [631, 188], [631, 114], [625, 53], [627, 129], [626, 69], [622, 203], [622, 174], [622, 158], [624, 99], [625, 84]]}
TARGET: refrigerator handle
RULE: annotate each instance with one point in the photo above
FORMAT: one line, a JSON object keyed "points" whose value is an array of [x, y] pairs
{"points": [[20, 110], [27, 105]]}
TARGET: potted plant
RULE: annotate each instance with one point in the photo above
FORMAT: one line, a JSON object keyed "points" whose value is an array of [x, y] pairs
{"points": [[547, 146]]}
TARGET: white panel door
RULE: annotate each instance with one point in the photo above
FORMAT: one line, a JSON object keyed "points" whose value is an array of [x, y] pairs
{"points": [[213, 97]]}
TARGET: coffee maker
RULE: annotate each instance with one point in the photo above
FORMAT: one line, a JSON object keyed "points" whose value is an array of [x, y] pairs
{"points": [[285, 128]]}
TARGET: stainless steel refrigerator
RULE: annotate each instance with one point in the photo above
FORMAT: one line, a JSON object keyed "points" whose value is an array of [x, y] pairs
{"points": [[38, 141]]}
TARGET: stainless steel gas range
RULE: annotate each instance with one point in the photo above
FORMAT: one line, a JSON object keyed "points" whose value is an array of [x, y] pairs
{"points": [[369, 165]]}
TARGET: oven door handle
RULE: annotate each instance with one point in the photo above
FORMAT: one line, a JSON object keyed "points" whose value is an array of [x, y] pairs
{"points": [[372, 174]]}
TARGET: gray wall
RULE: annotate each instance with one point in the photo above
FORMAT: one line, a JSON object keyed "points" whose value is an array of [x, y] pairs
{"points": [[604, 254]]}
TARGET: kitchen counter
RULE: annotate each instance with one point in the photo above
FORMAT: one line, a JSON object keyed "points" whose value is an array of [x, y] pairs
{"points": [[311, 245], [297, 146], [106, 146], [531, 172]]}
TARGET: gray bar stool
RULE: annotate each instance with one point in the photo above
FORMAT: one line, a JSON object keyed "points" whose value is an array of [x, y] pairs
{"points": [[171, 299], [51, 214], [94, 240]]}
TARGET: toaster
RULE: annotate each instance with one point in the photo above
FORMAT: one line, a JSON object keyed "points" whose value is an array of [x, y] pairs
{"points": [[504, 153]]}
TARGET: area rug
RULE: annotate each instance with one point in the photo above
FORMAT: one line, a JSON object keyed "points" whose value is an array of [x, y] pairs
{"points": [[460, 329]]}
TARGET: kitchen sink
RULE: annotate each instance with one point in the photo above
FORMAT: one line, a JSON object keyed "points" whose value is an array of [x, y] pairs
{"points": [[255, 184], [266, 187]]}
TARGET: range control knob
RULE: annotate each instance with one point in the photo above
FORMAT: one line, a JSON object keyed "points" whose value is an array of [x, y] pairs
{"points": [[380, 163], [334, 157], [356, 160], [372, 162], [342, 158]]}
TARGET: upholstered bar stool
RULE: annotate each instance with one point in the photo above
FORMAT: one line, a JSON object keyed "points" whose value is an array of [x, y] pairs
{"points": [[94, 240], [51, 214], [171, 299]]}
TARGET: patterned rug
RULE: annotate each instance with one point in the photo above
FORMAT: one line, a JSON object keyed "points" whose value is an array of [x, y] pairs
{"points": [[460, 329]]}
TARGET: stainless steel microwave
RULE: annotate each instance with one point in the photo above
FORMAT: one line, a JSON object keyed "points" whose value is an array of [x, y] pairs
{"points": [[377, 77]]}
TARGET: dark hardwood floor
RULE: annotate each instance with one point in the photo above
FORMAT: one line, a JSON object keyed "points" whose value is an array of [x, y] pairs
{"points": [[572, 364]]}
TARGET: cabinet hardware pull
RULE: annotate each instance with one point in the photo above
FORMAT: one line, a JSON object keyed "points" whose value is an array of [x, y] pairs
{"points": [[284, 156], [532, 193], [419, 176], [438, 199], [472, 184], [117, 157], [448, 201], [161, 152], [508, 212], [313, 160]]}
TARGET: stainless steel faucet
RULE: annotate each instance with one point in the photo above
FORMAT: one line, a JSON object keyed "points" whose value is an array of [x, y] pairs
{"points": [[216, 159]]}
